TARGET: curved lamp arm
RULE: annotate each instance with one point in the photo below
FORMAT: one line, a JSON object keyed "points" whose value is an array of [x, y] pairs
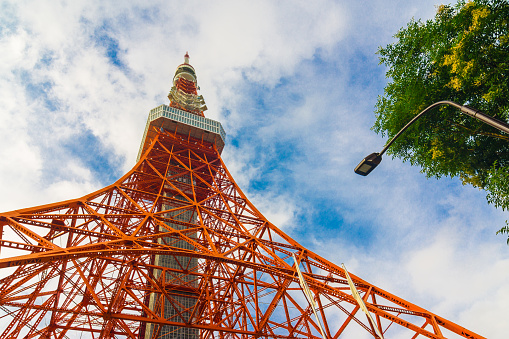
{"points": [[371, 161]]}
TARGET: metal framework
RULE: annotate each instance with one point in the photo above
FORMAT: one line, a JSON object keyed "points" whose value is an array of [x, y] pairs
{"points": [[87, 265], [175, 244]]}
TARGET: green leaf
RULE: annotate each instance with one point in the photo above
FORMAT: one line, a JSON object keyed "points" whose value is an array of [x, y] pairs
{"points": [[461, 55]]}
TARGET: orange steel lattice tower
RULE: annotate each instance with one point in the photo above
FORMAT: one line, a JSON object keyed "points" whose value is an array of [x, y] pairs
{"points": [[174, 249]]}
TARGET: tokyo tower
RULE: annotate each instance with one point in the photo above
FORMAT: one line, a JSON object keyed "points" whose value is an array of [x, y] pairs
{"points": [[174, 249]]}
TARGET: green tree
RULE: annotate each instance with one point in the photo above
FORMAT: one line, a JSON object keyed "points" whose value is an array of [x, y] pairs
{"points": [[461, 55]]}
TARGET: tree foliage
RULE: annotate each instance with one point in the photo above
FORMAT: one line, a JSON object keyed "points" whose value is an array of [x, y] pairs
{"points": [[461, 55]]}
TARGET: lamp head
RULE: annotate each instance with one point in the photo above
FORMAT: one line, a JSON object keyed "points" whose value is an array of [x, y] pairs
{"points": [[368, 164]]}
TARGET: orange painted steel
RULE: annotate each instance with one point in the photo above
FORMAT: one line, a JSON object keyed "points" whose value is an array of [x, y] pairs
{"points": [[85, 267], [188, 88]]}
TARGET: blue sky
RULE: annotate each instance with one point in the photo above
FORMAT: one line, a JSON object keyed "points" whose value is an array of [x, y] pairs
{"points": [[294, 84]]}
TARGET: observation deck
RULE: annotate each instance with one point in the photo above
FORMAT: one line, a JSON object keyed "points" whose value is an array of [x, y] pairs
{"points": [[183, 123]]}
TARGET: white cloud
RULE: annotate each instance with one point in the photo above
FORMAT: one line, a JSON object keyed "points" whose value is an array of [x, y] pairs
{"points": [[458, 281]]}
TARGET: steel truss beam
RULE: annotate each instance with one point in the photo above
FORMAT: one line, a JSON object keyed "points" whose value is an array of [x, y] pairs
{"points": [[86, 266]]}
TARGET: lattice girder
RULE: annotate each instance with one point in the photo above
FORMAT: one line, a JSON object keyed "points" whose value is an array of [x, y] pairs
{"points": [[87, 265]]}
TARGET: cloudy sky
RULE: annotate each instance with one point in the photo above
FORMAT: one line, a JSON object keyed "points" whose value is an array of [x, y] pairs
{"points": [[294, 84]]}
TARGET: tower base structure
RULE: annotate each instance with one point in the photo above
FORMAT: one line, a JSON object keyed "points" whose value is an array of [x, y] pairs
{"points": [[87, 266]]}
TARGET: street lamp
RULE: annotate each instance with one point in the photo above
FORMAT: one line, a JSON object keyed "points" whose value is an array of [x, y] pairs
{"points": [[369, 163]]}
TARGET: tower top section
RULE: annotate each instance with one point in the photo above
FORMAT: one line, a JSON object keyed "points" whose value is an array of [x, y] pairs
{"points": [[184, 116], [184, 92]]}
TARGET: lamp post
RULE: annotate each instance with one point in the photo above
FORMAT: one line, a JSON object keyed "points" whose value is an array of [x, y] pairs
{"points": [[369, 163]]}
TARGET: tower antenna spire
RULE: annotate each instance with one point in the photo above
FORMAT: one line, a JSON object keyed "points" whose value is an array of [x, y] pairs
{"points": [[184, 92]]}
